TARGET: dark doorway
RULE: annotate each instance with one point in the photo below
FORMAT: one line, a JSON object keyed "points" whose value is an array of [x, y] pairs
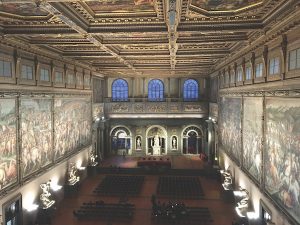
{"points": [[12, 211]]}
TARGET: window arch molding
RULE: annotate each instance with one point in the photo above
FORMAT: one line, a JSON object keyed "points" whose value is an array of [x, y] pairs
{"points": [[155, 90], [119, 90], [190, 90]]}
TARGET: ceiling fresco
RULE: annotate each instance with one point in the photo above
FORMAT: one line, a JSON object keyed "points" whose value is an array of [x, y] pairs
{"points": [[117, 6], [22, 9], [139, 37], [223, 5]]}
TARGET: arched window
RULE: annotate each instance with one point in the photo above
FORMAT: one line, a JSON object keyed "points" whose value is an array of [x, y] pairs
{"points": [[119, 90], [155, 90], [190, 90]]}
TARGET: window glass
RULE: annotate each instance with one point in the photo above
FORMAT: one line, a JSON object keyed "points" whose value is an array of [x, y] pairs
{"points": [[5, 69], [58, 77], [119, 90], [27, 72], [274, 66], [258, 70], [248, 73], [44, 74], [190, 90], [294, 59], [239, 74], [155, 90]]}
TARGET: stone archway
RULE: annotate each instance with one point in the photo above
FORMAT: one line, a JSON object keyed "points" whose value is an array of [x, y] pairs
{"points": [[156, 140], [192, 140], [121, 140]]}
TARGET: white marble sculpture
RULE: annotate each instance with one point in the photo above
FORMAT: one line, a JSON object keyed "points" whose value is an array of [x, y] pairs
{"points": [[73, 179], [45, 197]]}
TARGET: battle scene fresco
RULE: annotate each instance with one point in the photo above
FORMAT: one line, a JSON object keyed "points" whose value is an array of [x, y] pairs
{"points": [[282, 156], [36, 134], [221, 5], [230, 126], [8, 154], [113, 6], [252, 136], [23, 9], [72, 125]]}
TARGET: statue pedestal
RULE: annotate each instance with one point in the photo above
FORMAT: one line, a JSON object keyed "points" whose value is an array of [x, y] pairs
{"points": [[156, 150]]}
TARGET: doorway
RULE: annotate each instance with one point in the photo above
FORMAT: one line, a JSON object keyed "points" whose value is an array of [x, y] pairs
{"points": [[12, 211]]}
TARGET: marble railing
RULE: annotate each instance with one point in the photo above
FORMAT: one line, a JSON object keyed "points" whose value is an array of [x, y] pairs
{"points": [[172, 108]]}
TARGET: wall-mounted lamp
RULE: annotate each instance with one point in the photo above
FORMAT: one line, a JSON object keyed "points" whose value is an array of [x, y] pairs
{"points": [[32, 207], [79, 165], [252, 215], [28, 201]]}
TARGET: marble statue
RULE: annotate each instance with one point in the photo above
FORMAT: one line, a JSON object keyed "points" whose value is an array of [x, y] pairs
{"points": [[73, 179], [45, 197], [156, 146]]}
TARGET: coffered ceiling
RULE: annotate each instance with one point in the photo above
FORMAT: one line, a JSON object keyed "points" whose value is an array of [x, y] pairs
{"points": [[157, 38]]}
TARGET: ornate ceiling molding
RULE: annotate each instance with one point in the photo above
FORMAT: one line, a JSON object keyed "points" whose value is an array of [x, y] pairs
{"points": [[146, 37]]}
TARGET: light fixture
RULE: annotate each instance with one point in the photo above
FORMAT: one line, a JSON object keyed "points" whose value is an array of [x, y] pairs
{"points": [[32, 207], [79, 165], [252, 215], [28, 201]]}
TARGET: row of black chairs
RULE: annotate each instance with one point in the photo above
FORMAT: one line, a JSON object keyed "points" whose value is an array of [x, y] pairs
{"points": [[180, 187], [178, 213], [117, 185], [199, 215], [95, 210]]}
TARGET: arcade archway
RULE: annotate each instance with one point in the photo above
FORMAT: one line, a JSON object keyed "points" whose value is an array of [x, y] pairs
{"points": [[192, 140], [121, 142]]}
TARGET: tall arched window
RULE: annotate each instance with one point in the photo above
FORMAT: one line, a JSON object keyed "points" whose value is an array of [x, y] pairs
{"points": [[119, 90], [155, 90], [190, 90]]}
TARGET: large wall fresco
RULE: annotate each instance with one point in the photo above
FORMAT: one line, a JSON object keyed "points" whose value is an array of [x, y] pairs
{"points": [[230, 126], [72, 125], [8, 155], [282, 155], [36, 134], [252, 136]]}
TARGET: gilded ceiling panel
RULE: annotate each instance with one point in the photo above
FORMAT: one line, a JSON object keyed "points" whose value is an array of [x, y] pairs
{"points": [[224, 5], [22, 9], [118, 6]]}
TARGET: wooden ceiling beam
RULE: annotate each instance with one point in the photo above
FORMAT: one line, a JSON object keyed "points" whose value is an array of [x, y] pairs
{"points": [[58, 11]]}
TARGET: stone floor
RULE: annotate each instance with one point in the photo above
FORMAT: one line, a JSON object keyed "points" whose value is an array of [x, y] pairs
{"points": [[222, 212]]}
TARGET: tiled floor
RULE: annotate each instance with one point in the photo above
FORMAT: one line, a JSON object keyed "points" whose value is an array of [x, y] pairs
{"points": [[221, 212]]}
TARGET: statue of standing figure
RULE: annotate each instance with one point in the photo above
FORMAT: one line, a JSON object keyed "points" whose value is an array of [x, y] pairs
{"points": [[156, 141]]}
